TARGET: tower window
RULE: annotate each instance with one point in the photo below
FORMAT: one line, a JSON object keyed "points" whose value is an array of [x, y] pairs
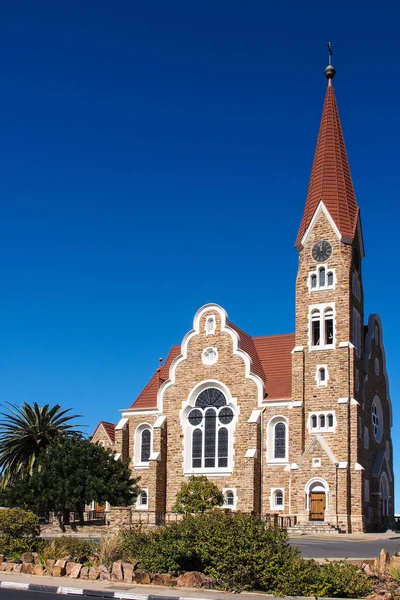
{"points": [[316, 327], [321, 279], [330, 279], [210, 325], [321, 376], [328, 318], [322, 326], [322, 422], [313, 281], [330, 421]]}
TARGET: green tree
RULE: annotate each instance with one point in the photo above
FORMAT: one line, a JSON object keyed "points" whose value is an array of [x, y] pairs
{"points": [[198, 494], [72, 473], [25, 431]]}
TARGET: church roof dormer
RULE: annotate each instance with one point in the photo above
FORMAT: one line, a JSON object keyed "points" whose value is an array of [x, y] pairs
{"points": [[330, 180]]}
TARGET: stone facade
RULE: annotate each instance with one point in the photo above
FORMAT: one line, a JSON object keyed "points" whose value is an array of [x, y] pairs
{"points": [[320, 452]]}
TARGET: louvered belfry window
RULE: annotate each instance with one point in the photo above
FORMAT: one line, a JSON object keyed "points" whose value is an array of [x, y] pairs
{"points": [[209, 432]]}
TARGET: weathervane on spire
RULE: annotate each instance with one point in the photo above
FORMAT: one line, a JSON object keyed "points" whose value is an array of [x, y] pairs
{"points": [[330, 70]]}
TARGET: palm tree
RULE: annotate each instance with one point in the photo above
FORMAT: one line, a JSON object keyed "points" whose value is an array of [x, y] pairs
{"points": [[26, 430]]}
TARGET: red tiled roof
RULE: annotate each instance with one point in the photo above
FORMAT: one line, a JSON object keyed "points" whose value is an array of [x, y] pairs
{"points": [[330, 179], [109, 428], [271, 360], [276, 358]]}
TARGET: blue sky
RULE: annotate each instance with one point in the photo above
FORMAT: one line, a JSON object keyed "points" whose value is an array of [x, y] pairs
{"points": [[155, 156]]}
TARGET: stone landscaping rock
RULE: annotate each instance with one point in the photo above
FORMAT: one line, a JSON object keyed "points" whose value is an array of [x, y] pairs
{"points": [[94, 573], [61, 563], [104, 573], [127, 569], [57, 571], [10, 567], [50, 563], [17, 568], [15, 561], [163, 579], [117, 573], [27, 557], [27, 568], [75, 571], [384, 559], [368, 570], [194, 579], [143, 578], [35, 557], [38, 570], [84, 573], [68, 567], [1, 558]]}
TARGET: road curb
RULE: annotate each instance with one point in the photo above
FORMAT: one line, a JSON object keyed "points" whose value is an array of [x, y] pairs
{"points": [[66, 591]]}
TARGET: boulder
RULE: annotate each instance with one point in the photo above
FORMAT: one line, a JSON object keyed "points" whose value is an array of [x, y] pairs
{"points": [[27, 568], [94, 573], [61, 563], [38, 570], [163, 579], [75, 571], [35, 557], [117, 573], [1, 558], [10, 567], [194, 579], [17, 568], [69, 566], [16, 561], [127, 569], [384, 559], [368, 570], [104, 573], [50, 563], [84, 573], [27, 557], [142, 578], [3, 566], [57, 571]]}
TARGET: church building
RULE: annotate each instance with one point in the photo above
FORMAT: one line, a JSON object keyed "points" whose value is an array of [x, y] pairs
{"points": [[296, 424]]}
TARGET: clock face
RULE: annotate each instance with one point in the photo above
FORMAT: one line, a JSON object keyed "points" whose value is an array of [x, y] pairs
{"points": [[321, 251]]}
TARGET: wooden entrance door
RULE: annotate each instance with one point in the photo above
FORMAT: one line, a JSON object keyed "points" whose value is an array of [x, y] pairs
{"points": [[317, 506]]}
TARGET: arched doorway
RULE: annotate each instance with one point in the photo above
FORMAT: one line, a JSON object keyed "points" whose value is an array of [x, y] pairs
{"points": [[317, 492]]}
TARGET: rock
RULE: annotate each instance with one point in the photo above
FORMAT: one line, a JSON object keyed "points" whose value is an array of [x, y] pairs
{"points": [[38, 570], [15, 561], [143, 578], [27, 568], [10, 567], [61, 563], [1, 558], [69, 566], [117, 573], [194, 579], [3, 566], [84, 573], [104, 573], [27, 557], [368, 570], [127, 569], [75, 571], [35, 557], [50, 563], [384, 559], [94, 573], [163, 579], [57, 571], [376, 564], [17, 569]]}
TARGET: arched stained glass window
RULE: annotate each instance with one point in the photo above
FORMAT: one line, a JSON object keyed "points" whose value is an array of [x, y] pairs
{"points": [[280, 440], [211, 397], [197, 448], [223, 437], [145, 446], [210, 437]]}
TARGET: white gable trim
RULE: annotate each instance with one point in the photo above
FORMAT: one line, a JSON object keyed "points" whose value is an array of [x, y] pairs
{"points": [[236, 350], [321, 208]]}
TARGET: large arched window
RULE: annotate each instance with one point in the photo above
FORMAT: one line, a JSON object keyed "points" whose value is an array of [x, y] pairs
{"points": [[277, 440], [385, 495], [210, 422], [143, 445]]}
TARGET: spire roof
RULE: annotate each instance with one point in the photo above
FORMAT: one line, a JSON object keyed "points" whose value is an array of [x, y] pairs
{"points": [[330, 179]]}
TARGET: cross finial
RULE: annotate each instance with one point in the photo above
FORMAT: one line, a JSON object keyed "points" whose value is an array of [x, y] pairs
{"points": [[330, 69]]}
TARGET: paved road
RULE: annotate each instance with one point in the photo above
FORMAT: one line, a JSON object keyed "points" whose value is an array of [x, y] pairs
{"points": [[334, 547]]}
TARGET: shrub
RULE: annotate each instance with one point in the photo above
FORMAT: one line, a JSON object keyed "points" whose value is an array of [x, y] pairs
{"points": [[110, 549], [18, 531], [76, 549], [394, 573], [198, 494]]}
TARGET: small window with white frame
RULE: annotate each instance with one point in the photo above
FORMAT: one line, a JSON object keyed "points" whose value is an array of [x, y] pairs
{"points": [[277, 440], [321, 422], [322, 326], [143, 445], [142, 502], [321, 279], [277, 499], [321, 376], [210, 325], [229, 498]]}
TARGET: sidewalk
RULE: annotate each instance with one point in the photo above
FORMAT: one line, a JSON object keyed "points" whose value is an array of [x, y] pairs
{"points": [[123, 590]]}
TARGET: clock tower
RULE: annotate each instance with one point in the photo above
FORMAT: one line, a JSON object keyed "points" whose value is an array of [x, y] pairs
{"points": [[326, 376]]}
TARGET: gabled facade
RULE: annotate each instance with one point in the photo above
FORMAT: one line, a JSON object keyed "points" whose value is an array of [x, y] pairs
{"points": [[297, 424]]}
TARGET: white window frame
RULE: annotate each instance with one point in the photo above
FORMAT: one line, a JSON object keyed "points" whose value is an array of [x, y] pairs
{"points": [[357, 331], [225, 491], [322, 309], [188, 429], [212, 329], [271, 440], [140, 506], [316, 274], [317, 378], [318, 428], [377, 430], [316, 462], [138, 446], [274, 506], [209, 361]]}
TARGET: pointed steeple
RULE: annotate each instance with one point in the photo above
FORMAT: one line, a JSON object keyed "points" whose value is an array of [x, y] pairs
{"points": [[330, 179]]}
